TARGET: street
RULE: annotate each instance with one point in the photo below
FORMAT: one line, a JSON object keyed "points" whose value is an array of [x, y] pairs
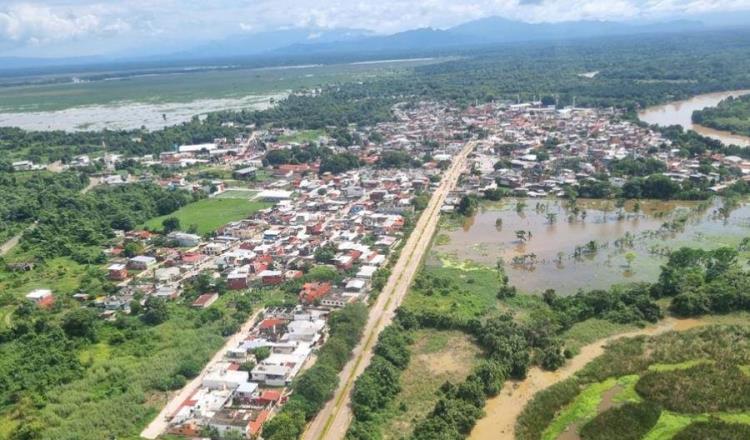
{"points": [[333, 420]]}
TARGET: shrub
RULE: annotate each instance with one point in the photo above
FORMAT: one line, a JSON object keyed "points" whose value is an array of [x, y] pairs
{"points": [[631, 422], [715, 430]]}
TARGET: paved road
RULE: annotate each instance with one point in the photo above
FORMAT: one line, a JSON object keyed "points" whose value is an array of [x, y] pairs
{"points": [[159, 425], [333, 420]]}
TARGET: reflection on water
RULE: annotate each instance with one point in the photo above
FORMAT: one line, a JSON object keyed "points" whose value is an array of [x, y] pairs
{"points": [[592, 245], [681, 112]]}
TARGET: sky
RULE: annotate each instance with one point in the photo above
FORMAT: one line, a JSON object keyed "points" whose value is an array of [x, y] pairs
{"points": [[52, 28]]}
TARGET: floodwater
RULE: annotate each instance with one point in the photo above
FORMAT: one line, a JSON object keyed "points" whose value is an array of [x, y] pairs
{"points": [[681, 112], [560, 255], [131, 115]]}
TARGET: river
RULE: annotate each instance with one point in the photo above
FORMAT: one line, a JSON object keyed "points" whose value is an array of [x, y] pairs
{"points": [[681, 112]]}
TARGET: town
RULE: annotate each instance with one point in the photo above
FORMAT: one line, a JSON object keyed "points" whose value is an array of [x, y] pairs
{"points": [[326, 234]]}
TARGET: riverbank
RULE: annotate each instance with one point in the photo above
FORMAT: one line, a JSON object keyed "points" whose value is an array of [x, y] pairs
{"points": [[681, 113], [503, 410]]}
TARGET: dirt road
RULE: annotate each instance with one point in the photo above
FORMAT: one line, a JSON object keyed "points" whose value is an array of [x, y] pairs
{"points": [[159, 425], [333, 420], [503, 410]]}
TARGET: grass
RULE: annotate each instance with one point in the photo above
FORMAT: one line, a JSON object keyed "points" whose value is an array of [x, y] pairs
{"points": [[668, 425], [209, 215], [436, 357], [660, 368], [468, 292], [302, 136], [62, 275], [236, 194], [583, 408], [591, 330]]}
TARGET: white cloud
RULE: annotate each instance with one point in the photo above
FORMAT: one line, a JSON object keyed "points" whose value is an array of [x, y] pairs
{"points": [[47, 23], [35, 24]]}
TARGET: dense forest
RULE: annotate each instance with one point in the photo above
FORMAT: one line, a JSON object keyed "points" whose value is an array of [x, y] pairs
{"points": [[732, 114]]}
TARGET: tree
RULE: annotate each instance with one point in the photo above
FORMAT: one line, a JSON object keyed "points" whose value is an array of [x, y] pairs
{"points": [[132, 248], [156, 311], [325, 254], [630, 257], [521, 235], [80, 323], [467, 206], [170, 224], [262, 353], [551, 218]]}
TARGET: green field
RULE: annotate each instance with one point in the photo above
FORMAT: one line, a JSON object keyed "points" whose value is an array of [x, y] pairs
{"points": [[208, 215], [186, 87], [302, 136]]}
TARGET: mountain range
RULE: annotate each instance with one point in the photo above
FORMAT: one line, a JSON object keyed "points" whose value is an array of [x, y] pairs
{"points": [[308, 42]]}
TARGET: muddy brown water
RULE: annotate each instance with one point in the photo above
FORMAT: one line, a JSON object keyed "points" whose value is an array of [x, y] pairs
{"points": [[503, 410], [553, 244], [681, 112]]}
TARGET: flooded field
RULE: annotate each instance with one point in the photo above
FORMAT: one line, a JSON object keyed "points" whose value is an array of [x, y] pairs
{"points": [[681, 113], [130, 115], [549, 244]]}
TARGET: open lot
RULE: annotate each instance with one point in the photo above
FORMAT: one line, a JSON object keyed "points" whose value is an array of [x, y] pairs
{"points": [[210, 214]]}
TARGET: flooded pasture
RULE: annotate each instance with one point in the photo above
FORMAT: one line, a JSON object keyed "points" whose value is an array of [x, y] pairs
{"points": [[550, 244]]}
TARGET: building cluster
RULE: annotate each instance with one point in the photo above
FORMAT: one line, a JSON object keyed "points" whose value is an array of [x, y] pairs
{"points": [[242, 391], [536, 151]]}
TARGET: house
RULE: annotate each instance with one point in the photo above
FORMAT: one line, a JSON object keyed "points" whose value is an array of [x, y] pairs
{"points": [[237, 278], [141, 262], [118, 272], [246, 392], [185, 240], [167, 292], [355, 285], [223, 378], [167, 274], [41, 297], [204, 301], [271, 277], [245, 173], [274, 195], [305, 331], [312, 292]]}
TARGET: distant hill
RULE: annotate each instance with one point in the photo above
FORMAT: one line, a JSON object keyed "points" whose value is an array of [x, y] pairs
{"points": [[490, 30], [312, 45], [263, 42]]}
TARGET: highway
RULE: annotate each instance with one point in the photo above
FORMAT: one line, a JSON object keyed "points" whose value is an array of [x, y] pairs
{"points": [[333, 420]]}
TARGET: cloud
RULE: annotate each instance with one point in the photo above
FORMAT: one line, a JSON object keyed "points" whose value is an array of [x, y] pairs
{"points": [[38, 24], [147, 23]]}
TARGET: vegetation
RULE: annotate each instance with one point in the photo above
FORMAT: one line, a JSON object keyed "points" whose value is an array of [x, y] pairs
{"points": [[732, 114], [207, 215], [631, 421], [70, 223], [688, 374]]}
